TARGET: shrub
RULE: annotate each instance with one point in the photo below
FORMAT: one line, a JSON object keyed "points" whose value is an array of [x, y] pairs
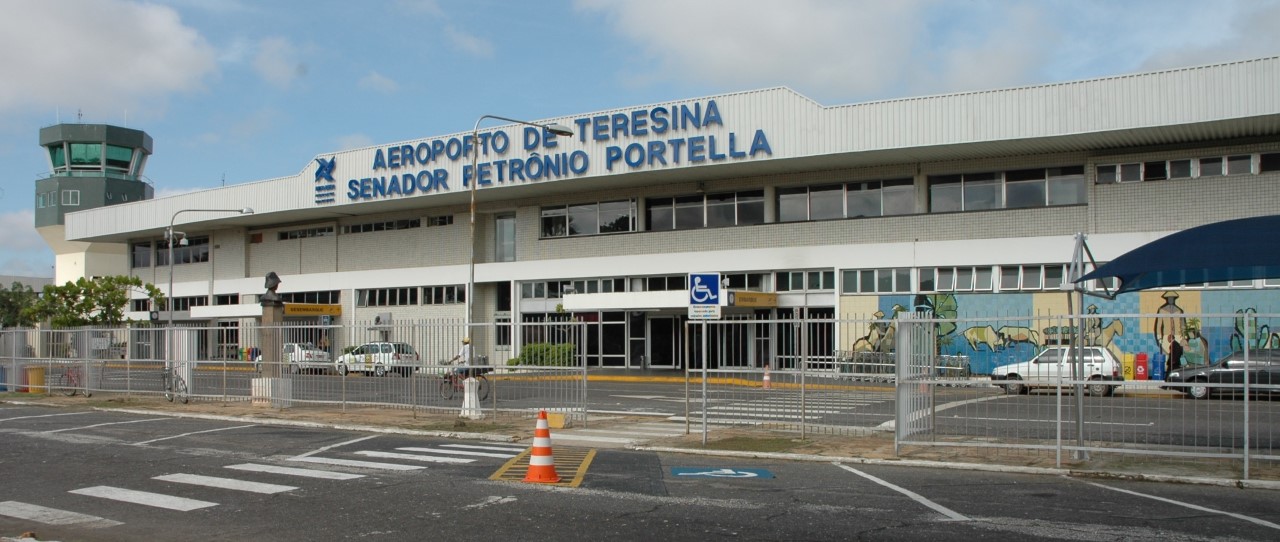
{"points": [[546, 355]]}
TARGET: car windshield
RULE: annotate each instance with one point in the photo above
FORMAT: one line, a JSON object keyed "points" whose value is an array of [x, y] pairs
{"points": [[306, 346]]}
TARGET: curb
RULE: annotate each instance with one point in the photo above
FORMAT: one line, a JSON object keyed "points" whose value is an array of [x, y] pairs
{"points": [[298, 423]]}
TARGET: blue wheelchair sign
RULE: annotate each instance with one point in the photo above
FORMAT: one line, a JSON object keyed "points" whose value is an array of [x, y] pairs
{"points": [[704, 289]]}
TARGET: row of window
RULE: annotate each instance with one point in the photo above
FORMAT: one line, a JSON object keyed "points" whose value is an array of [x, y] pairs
{"points": [[1187, 168], [304, 233], [413, 295], [384, 225], [1008, 278], [330, 297], [195, 251], [70, 198], [90, 156]]}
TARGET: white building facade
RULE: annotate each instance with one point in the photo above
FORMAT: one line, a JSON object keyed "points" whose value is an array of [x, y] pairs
{"points": [[831, 212]]}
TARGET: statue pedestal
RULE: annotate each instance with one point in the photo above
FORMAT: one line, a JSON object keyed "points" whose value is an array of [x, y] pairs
{"points": [[471, 400], [271, 392]]}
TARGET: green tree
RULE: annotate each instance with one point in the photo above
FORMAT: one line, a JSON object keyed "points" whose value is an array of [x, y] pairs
{"points": [[90, 302], [13, 302]]}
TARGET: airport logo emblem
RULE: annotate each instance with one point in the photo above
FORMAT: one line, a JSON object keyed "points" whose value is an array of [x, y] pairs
{"points": [[326, 192]]}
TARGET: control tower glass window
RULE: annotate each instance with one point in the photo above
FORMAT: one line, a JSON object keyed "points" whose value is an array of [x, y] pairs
{"points": [[119, 157], [86, 155], [58, 156]]}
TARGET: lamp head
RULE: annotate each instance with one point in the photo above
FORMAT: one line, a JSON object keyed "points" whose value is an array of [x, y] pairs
{"points": [[246, 211], [558, 129]]}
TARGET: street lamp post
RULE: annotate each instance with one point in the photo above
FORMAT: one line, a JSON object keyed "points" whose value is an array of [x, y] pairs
{"points": [[169, 237], [554, 128]]}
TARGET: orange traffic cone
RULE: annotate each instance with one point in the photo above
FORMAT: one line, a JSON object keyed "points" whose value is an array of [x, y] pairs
{"points": [[765, 384], [542, 467]]}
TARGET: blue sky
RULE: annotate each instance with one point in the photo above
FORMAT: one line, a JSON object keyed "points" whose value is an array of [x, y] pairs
{"points": [[234, 91]]}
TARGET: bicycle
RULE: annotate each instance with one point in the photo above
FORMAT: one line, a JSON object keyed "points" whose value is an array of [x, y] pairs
{"points": [[453, 382], [70, 384], [175, 387]]}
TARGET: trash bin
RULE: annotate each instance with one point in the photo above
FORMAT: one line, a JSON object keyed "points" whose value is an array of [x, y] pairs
{"points": [[4, 384], [35, 379], [1128, 366], [1140, 366], [1155, 371]]}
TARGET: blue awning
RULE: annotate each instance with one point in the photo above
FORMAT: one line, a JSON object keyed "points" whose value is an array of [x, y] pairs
{"points": [[1241, 249]]}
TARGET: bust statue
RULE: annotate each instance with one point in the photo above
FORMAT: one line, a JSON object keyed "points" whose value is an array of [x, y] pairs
{"points": [[271, 297]]}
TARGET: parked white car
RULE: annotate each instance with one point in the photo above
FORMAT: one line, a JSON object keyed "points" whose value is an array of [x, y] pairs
{"points": [[379, 358], [303, 357], [1052, 368]]}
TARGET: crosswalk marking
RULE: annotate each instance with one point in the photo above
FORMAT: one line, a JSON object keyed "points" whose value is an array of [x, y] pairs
{"points": [[355, 463], [225, 483], [513, 449], [52, 516], [508, 455], [309, 473], [414, 457], [157, 500], [576, 437]]}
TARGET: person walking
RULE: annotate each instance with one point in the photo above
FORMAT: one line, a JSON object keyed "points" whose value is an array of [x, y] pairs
{"points": [[1175, 356]]}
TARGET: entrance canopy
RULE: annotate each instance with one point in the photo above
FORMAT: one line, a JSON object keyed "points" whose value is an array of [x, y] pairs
{"points": [[1241, 249]]}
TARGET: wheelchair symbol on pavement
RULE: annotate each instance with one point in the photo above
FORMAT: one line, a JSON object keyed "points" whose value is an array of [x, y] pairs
{"points": [[707, 472], [721, 473]]}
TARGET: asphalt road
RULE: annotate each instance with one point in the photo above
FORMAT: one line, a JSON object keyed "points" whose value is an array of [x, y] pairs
{"points": [[72, 474]]}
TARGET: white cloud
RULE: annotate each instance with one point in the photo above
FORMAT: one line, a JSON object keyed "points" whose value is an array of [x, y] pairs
{"points": [[24, 252], [277, 62], [378, 82], [843, 51], [354, 141], [20, 231], [468, 43], [123, 54]]}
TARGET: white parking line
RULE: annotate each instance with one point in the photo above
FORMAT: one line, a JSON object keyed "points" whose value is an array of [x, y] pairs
{"points": [[225, 483], [157, 500], [42, 416], [951, 514], [308, 473], [52, 516], [1261, 522], [104, 424], [1048, 421], [193, 433]]}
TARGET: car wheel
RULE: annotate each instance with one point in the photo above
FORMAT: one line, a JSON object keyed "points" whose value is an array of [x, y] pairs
{"points": [[342, 369], [1198, 390], [1015, 389], [379, 370], [1100, 390]]}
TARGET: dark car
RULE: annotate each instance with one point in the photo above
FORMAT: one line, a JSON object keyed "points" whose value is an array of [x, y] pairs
{"points": [[1229, 371]]}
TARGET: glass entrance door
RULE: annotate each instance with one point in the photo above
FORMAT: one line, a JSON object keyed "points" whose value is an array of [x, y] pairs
{"points": [[666, 342]]}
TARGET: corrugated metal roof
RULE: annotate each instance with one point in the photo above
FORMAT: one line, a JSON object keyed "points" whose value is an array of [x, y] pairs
{"points": [[1220, 101]]}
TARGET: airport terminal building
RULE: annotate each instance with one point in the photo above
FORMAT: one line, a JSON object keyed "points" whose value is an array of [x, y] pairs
{"points": [[808, 211]]}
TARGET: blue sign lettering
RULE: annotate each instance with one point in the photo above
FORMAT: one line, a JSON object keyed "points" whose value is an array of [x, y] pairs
{"points": [[404, 170]]}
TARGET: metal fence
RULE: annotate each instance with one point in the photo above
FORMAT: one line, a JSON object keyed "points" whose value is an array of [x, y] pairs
{"points": [[520, 368], [928, 382]]}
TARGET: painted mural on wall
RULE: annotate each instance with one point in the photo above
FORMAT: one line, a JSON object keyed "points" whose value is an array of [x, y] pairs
{"points": [[994, 329]]}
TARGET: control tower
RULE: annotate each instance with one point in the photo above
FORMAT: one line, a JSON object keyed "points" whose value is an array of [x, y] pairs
{"points": [[91, 165]]}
